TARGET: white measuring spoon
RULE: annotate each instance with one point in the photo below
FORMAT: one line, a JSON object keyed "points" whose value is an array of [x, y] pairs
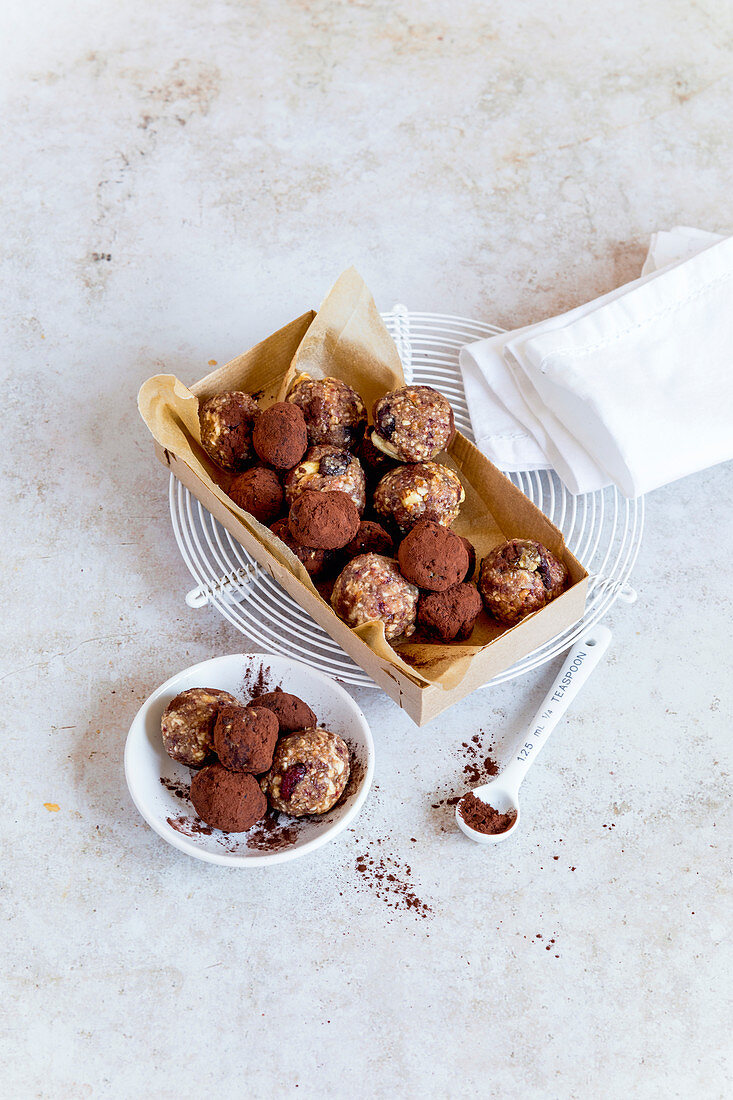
{"points": [[503, 792]]}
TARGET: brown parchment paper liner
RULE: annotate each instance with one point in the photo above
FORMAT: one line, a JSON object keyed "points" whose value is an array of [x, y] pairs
{"points": [[345, 339]]}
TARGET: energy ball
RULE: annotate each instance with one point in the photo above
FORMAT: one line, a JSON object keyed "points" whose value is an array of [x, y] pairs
{"points": [[334, 413], [244, 738], [317, 563], [471, 550], [259, 492], [226, 421], [309, 772], [518, 577], [326, 521], [291, 712], [432, 557], [231, 801], [372, 589], [375, 463], [187, 725], [371, 538], [328, 468], [425, 490], [280, 436], [413, 424], [450, 615]]}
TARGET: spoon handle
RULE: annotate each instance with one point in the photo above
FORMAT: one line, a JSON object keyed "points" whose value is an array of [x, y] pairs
{"points": [[577, 667]]}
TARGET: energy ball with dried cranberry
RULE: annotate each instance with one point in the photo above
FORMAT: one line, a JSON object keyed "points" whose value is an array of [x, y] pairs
{"points": [[318, 563], [334, 413], [187, 725], [280, 436], [309, 772], [432, 557], [328, 468], [226, 421], [518, 577], [259, 492], [371, 538], [450, 615], [423, 490], [231, 801], [413, 424], [372, 589]]}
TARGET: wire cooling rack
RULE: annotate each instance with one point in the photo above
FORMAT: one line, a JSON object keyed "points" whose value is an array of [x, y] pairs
{"points": [[602, 529]]}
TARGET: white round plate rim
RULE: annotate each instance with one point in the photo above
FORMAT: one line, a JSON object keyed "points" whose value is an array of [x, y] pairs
{"points": [[278, 664]]}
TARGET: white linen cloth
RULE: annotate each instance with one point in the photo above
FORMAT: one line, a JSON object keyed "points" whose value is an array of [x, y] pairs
{"points": [[634, 388]]}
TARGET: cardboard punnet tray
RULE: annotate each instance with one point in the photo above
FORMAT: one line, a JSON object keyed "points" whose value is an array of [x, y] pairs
{"points": [[264, 367]]}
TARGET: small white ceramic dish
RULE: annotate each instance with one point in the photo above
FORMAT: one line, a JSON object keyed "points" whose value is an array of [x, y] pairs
{"points": [[159, 785]]}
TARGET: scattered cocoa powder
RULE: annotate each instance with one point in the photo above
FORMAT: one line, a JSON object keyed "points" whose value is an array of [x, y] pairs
{"points": [[256, 681], [389, 880], [190, 826], [275, 832], [176, 787], [479, 768], [483, 818]]}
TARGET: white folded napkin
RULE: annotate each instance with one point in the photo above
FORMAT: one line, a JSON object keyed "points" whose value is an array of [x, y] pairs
{"points": [[634, 388]]}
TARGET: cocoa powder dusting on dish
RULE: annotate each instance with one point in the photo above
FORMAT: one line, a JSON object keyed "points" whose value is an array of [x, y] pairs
{"points": [[256, 681], [177, 787], [275, 832], [190, 826], [483, 818]]}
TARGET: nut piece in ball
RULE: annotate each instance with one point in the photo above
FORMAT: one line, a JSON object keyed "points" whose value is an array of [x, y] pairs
{"points": [[518, 577], [450, 615], [187, 725], [291, 712], [259, 492], [244, 738], [226, 421], [231, 801], [309, 772], [317, 563], [375, 463], [413, 424], [372, 589], [326, 469], [432, 557], [425, 490], [280, 436], [334, 413], [371, 538], [326, 521]]}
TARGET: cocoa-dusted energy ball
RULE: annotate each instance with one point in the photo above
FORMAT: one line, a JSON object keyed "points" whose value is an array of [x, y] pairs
{"points": [[334, 413], [518, 577], [326, 521], [244, 738], [328, 468], [432, 557], [471, 550], [425, 490], [226, 421], [413, 424], [318, 563], [280, 436], [259, 492], [449, 615], [372, 589], [291, 712], [231, 801], [371, 538], [187, 725], [309, 772]]}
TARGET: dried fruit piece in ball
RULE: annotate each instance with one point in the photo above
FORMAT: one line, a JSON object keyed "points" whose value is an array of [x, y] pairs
{"points": [[291, 712], [518, 577], [327, 469], [432, 557], [187, 725], [326, 521], [424, 490], [309, 772], [231, 801], [226, 421], [371, 538], [372, 589], [259, 492], [334, 412], [450, 615], [280, 437], [244, 738], [413, 424], [317, 563]]}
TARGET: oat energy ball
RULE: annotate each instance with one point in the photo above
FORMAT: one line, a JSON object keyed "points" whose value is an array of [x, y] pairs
{"points": [[450, 615], [244, 738], [334, 413], [291, 712], [259, 492], [518, 577], [425, 490], [326, 521], [231, 801], [413, 424], [318, 563], [372, 589], [432, 557], [187, 725], [280, 436], [309, 772], [371, 538], [226, 421], [328, 468]]}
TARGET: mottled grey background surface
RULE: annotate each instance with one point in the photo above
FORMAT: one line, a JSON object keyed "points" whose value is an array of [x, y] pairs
{"points": [[180, 178]]}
